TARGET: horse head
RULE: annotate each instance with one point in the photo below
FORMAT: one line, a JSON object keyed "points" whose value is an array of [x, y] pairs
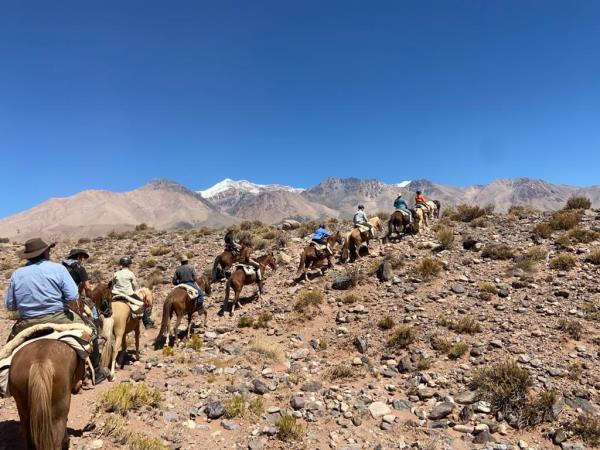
{"points": [[146, 295]]}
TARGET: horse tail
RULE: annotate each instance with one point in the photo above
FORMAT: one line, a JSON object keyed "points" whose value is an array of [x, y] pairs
{"points": [[108, 324], [302, 263], [166, 316], [215, 269], [39, 388]]}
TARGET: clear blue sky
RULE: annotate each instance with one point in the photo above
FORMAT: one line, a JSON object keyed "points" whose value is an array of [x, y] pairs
{"points": [[109, 94]]}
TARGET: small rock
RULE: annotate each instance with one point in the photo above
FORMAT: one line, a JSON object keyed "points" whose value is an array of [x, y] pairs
{"points": [[379, 409], [441, 410], [214, 410]]}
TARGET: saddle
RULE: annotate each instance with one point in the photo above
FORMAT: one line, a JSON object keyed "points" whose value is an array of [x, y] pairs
{"points": [[362, 228], [77, 336], [318, 247], [192, 293], [248, 270], [403, 212], [136, 306]]}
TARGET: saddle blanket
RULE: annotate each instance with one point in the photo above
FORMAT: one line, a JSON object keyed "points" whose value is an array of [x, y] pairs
{"points": [[78, 336], [319, 247], [404, 213], [136, 306], [248, 270], [192, 293], [362, 228]]}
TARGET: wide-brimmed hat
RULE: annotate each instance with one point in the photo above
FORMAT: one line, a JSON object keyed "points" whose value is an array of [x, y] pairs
{"points": [[34, 248], [78, 251], [183, 259], [399, 194]]}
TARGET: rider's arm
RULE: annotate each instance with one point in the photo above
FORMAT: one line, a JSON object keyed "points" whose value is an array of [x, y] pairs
{"points": [[194, 275], [10, 301], [134, 283], [70, 291]]}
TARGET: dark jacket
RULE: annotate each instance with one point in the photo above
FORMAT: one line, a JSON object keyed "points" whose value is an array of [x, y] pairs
{"points": [[184, 274]]}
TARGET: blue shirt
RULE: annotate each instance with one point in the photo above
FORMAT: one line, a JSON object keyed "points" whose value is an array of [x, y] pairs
{"points": [[40, 288], [400, 203], [321, 233]]}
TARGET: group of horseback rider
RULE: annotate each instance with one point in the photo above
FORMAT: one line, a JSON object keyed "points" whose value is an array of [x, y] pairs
{"points": [[45, 292]]}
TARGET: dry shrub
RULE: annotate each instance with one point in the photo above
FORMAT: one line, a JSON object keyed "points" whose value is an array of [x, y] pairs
{"points": [[446, 237], [401, 337], [480, 222], [467, 213], [457, 350], [386, 323], [263, 319], [288, 429], [527, 261], [147, 263], [564, 261], [342, 372], [266, 348], [564, 219], [309, 303], [194, 342], [307, 228], [543, 230], [428, 268], [115, 427], [454, 350], [506, 386], [522, 211], [497, 252], [582, 235], [257, 406], [160, 251], [587, 427], [350, 298], [578, 202], [235, 406], [245, 322], [126, 397], [593, 257], [464, 325], [572, 327], [486, 286]]}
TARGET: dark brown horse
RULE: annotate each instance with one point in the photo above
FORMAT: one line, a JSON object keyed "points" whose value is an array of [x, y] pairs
{"points": [[239, 279], [311, 258], [179, 302], [401, 223], [43, 375], [223, 262]]}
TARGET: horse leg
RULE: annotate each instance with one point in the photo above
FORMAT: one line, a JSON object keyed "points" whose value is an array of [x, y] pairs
{"points": [[177, 323], [189, 328], [123, 350], [137, 342]]}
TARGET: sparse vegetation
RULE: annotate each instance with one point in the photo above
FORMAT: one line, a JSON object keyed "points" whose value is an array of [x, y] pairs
{"points": [[593, 257], [582, 235], [309, 303], [457, 350], [464, 325], [288, 429], [428, 268], [386, 323], [235, 406], [572, 327], [487, 287], [446, 237], [267, 349], [423, 363], [160, 251], [194, 342], [543, 230], [587, 427], [401, 337], [497, 252], [126, 397], [350, 298], [115, 427], [564, 219], [506, 386], [257, 406], [468, 213], [578, 202], [245, 322], [341, 372], [564, 261]]}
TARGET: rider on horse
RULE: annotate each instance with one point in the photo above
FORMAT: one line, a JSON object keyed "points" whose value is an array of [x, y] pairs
{"points": [[41, 291], [400, 205], [360, 218], [245, 258], [186, 274], [420, 201], [124, 284], [320, 237], [230, 243]]}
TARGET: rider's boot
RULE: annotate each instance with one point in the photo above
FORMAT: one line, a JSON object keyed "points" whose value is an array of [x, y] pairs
{"points": [[99, 372]]}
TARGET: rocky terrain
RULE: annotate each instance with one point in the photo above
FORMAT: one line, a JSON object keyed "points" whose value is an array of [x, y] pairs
{"points": [[480, 332]]}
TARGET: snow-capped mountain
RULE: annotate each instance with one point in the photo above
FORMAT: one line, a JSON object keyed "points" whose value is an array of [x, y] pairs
{"points": [[243, 185]]}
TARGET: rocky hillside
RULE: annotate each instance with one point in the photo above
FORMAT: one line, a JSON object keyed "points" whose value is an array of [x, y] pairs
{"points": [[470, 335]]}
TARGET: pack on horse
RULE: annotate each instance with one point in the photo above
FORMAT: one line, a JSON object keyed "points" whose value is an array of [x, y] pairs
{"points": [[240, 278], [401, 223], [122, 322], [433, 209], [43, 375], [356, 238], [179, 302], [313, 258], [420, 221]]}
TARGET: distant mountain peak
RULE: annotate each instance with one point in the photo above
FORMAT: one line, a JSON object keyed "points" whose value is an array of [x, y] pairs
{"points": [[164, 184], [246, 186]]}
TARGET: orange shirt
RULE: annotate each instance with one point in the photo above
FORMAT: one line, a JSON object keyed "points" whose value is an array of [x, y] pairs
{"points": [[420, 198]]}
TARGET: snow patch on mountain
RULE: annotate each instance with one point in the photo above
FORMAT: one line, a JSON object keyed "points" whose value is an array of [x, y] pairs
{"points": [[404, 183], [244, 185]]}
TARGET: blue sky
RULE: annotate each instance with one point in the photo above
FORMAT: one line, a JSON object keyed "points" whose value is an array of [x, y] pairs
{"points": [[110, 94]]}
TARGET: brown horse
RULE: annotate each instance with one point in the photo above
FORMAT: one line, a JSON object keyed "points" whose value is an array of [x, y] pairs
{"points": [[401, 223], [356, 238], [43, 375], [239, 279], [223, 262], [179, 302], [117, 327], [310, 258]]}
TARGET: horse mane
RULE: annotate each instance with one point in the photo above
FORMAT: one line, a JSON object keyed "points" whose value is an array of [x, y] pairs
{"points": [[145, 293]]}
